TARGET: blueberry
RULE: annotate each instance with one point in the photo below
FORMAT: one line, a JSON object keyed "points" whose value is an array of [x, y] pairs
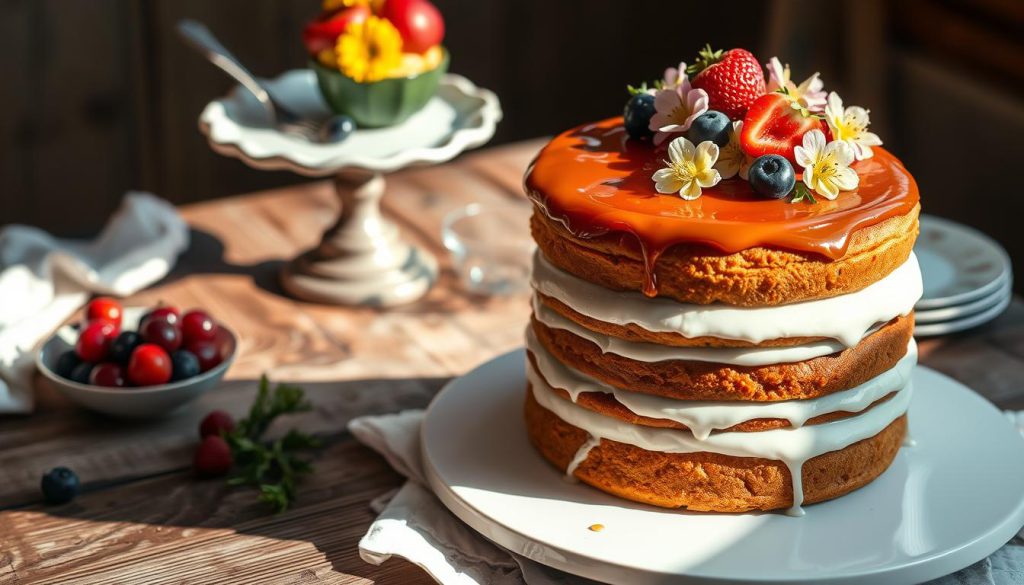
{"points": [[338, 128], [122, 348], [710, 125], [66, 364], [771, 176], [184, 365], [80, 373], [638, 113], [60, 485]]}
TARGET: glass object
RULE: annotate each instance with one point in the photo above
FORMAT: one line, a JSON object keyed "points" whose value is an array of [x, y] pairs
{"points": [[491, 246]]}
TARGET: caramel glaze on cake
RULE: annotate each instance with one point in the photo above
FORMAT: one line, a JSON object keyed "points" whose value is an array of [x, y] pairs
{"points": [[709, 481], [694, 380], [600, 220]]}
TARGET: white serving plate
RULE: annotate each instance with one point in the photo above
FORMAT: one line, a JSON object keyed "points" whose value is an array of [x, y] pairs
{"points": [[958, 263], [947, 502]]}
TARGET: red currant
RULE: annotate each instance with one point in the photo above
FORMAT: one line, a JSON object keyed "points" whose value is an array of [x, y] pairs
{"points": [[206, 352], [197, 325], [108, 374], [213, 457], [161, 333], [104, 309], [149, 365], [93, 343], [216, 423], [164, 313]]}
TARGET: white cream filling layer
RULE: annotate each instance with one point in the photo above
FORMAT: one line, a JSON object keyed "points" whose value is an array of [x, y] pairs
{"points": [[702, 417], [652, 352], [845, 318], [792, 446]]}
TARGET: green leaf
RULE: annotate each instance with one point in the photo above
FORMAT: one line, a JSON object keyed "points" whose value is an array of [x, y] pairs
{"points": [[706, 57], [801, 193]]}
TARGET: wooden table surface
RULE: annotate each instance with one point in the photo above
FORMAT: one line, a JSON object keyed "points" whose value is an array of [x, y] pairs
{"points": [[145, 519]]}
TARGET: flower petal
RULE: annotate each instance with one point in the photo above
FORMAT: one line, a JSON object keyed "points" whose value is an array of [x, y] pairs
{"points": [[706, 155], [777, 75], [846, 179], [857, 116], [826, 189], [728, 166], [708, 178], [841, 150], [690, 191], [834, 105], [869, 139], [745, 167], [803, 157], [680, 150], [814, 143]]}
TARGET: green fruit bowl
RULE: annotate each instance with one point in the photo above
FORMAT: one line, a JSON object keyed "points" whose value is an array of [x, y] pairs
{"points": [[380, 103]]}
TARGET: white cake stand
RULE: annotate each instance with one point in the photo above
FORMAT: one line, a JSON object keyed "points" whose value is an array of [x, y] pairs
{"points": [[945, 503], [361, 260]]}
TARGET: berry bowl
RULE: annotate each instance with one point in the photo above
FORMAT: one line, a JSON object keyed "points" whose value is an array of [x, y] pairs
{"points": [[131, 402]]}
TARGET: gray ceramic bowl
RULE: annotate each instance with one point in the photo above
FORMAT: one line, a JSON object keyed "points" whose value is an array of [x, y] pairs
{"points": [[143, 402]]}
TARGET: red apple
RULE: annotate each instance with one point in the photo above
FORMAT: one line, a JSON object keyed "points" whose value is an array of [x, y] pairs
{"points": [[418, 21], [323, 32]]}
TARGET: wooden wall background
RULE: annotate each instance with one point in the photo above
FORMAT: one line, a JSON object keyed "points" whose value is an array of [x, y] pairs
{"points": [[99, 96]]}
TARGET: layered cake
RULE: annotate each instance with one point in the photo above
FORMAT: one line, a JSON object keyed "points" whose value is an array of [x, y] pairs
{"points": [[723, 293]]}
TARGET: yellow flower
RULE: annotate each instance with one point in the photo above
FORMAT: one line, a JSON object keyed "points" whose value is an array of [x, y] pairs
{"points": [[369, 51], [689, 169], [826, 166], [851, 126]]}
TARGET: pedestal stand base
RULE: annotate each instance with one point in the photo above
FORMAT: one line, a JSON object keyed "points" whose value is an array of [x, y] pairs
{"points": [[361, 260]]}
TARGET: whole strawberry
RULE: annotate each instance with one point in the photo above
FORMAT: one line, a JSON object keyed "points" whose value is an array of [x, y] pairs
{"points": [[733, 80]]}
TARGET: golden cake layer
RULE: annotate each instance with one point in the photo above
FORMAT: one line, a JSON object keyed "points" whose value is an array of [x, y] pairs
{"points": [[753, 277], [709, 481]]}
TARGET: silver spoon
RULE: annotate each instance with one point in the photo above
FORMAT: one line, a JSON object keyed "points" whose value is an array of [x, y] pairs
{"points": [[286, 121]]}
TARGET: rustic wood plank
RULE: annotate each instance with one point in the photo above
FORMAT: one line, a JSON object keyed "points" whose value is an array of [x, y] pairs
{"points": [[176, 529]]}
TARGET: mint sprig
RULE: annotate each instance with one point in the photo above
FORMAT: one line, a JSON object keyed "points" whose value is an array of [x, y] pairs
{"points": [[274, 467]]}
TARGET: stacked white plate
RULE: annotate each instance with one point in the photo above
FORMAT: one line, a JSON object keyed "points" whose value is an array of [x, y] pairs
{"points": [[967, 276]]}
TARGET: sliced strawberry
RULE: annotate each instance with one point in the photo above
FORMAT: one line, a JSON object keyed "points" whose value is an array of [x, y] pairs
{"points": [[773, 126]]}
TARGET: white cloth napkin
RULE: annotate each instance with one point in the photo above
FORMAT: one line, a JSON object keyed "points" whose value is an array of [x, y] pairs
{"points": [[43, 279], [415, 525]]}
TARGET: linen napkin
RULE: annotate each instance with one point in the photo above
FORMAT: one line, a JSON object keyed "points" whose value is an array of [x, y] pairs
{"points": [[415, 525], [43, 279]]}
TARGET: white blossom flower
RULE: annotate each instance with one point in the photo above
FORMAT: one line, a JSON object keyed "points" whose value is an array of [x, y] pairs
{"points": [[809, 95], [689, 169], [731, 159], [850, 125], [826, 166], [676, 108], [674, 77]]}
